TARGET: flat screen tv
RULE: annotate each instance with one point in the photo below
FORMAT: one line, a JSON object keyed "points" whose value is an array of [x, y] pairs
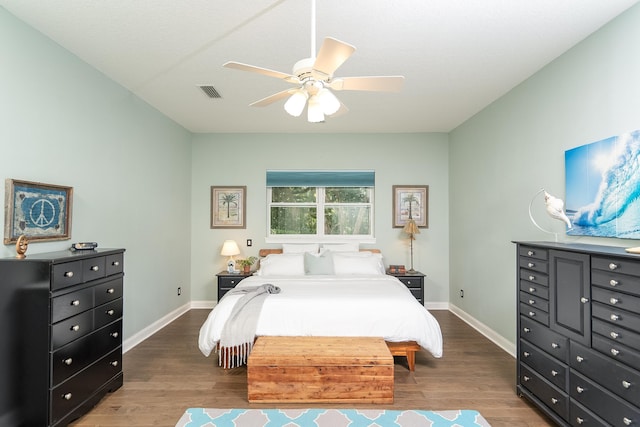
{"points": [[603, 187]]}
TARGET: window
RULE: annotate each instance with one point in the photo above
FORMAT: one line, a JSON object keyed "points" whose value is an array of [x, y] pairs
{"points": [[344, 204]]}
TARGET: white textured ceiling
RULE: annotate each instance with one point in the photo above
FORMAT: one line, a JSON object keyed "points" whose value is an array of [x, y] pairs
{"points": [[457, 56]]}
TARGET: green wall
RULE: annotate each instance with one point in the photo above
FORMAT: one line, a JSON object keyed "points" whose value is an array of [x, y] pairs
{"points": [[62, 122], [501, 157], [242, 159]]}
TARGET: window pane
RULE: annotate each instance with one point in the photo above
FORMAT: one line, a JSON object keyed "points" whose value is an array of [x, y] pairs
{"points": [[348, 195], [293, 195], [293, 220], [347, 220]]}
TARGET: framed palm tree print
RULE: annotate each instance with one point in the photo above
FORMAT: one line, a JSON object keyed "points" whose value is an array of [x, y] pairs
{"points": [[411, 202], [228, 207]]}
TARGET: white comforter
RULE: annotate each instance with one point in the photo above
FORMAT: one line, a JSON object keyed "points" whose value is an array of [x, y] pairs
{"points": [[372, 305]]}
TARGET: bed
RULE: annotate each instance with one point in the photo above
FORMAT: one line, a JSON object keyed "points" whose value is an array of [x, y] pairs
{"points": [[329, 293]]}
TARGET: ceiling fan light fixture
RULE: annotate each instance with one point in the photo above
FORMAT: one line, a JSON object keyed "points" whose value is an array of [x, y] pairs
{"points": [[314, 110], [328, 101], [296, 102]]}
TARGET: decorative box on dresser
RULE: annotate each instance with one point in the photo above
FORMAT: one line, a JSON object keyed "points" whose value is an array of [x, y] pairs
{"points": [[60, 334], [579, 332], [414, 280]]}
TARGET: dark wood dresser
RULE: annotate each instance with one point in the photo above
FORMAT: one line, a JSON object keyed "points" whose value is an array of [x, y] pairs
{"points": [[60, 334], [579, 332]]}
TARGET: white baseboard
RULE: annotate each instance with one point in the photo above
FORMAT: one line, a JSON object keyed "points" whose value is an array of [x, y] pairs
{"points": [[497, 339], [136, 339]]}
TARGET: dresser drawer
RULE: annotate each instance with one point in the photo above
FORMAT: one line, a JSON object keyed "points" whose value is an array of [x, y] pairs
{"points": [[616, 351], [547, 366], [71, 358], [66, 274], [619, 282], [580, 416], [107, 313], [532, 252], [555, 399], [534, 313], [70, 304], [534, 289], [610, 408], [534, 301], [618, 265], [616, 316], [71, 329], [114, 264], [108, 291], [534, 277], [616, 299], [93, 268], [621, 380], [545, 339], [73, 392], [411, 282], [616, 333], [534, 264]]}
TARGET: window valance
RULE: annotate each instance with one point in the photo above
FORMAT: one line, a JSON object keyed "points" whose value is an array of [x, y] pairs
{"points": [[320, 178]]}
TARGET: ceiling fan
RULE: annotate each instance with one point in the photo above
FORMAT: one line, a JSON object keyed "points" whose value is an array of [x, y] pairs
{"points": [[313, 80]]}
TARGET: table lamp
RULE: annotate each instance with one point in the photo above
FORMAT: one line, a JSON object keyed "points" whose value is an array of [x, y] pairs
{"points": [[230, 248], [411, 228]]}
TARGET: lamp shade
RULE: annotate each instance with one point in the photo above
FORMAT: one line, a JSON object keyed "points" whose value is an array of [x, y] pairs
{"points": [[328, 101], [296, 102], [411, 228], [230, 248]]}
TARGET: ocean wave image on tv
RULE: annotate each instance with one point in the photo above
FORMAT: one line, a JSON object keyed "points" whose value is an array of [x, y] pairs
{"points": [[603, 187]]}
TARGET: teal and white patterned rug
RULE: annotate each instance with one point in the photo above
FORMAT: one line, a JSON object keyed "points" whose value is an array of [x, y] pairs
{"points": [[209, 417]]}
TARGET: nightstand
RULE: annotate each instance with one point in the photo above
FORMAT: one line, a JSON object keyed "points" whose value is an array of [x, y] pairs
{"points": [[414, 281], [228, 281]]}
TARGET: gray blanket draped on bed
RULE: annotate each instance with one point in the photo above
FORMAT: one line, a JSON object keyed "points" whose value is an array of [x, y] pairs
{"points": [[239, 331]]}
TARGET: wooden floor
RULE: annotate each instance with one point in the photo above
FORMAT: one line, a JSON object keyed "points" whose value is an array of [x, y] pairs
{"points": [[166, 374]]}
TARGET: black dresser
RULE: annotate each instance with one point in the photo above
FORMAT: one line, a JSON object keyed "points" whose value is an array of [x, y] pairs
{"points": [[60, 334], [579, 332]]}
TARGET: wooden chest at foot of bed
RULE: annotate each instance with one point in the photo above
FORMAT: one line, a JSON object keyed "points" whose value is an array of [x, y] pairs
{"points": [[320, 369]]}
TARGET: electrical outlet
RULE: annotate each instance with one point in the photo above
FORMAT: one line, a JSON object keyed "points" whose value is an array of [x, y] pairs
{"points": [[249, 242], [179, 291], [461, 293]]}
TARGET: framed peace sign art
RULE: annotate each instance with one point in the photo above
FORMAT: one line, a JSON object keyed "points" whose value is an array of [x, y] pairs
{"points": [[40, 212]]}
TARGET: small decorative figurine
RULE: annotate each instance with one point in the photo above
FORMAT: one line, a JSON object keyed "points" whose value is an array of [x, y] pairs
{"points": [[21, 247]]}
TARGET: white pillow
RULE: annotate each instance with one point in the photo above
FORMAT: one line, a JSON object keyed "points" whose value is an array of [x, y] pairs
{"points": [[342, 247], [356, 263], [282, 265], [298, 248]]}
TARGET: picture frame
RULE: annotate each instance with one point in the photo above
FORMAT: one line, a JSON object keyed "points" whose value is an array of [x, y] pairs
{"points": [[411, 200], [41, 212], [228, 206]]}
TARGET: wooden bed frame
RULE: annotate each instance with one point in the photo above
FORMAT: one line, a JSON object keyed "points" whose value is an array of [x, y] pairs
{"points": [[404, 349]]}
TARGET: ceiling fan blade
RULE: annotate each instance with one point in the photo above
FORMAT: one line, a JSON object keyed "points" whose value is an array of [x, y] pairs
{"points": [[370, 83], [272, 98], [263, 71], [332, 55], [341, 111]]}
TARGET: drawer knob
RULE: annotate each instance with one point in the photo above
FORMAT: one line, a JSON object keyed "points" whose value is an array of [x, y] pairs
{"points": [[526, 330], [114, 363], [115, 263], [75, 328], [579, 389], [554, 345], [95, 268], [613, 282], [554, 373], [114, 334], [532, 302], [584, 300], [68, 361], [579, 359], [614, 335], [110, 290], [531, 265], [526, 378], [110, 312], [554, 400], [68, 274], [532, 314], [526, 354], [532, 290], [626, 384], [75, 302], [613, 266], [614, 317], [615, 352], [67, 396], [627, 421], [531, 253], [614, 301], [532, 277], [579, 420]]}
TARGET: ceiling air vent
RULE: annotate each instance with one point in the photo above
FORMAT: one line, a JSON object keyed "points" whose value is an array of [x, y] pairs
{"points": [[210, 91]]}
